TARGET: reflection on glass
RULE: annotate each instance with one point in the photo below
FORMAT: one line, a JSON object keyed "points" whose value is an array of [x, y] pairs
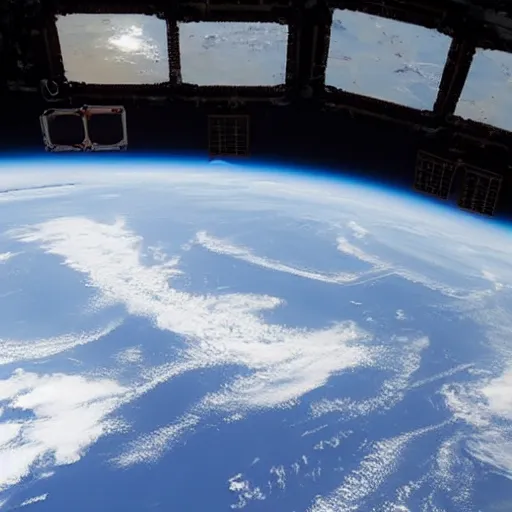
{"points": [[114, 48], [233, 53], [386, 59], [487, 93]]}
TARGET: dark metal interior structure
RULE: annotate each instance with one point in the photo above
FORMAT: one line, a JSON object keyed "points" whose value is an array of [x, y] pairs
{"points": [[303, 119]]}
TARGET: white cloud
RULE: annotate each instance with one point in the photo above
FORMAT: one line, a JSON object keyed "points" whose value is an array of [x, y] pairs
{"points": [[157, 253], [131, 355], [150, 447], [8, 432], [453, 473], [442, 375], [32, 193], [13, 351], [242, 253], [466, 403], [403, 360], [357, 230], [234, 417], [314, 430], [333, 441], [498, 392], [480, 402], [486, 405], [350, 249], [314, 474], [400, 314], [225, 329], [236, 483], [292, 366], [493, 448], [6, 256], [35, 499], [280, 475], [285, 362], [46, 474], [405, 225], [68, 414], [371, 473], [492, 278], [244, 491], [384, 269]]}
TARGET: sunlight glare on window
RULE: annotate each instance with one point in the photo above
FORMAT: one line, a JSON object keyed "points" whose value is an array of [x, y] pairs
{"points": [[114, 48], [233, 53], [487, 93], [386, 59]]}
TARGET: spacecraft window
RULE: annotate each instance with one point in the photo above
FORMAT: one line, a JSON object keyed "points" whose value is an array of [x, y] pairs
{"points": [[114, 48], [233, 53], [487, 93], [386, 59]]}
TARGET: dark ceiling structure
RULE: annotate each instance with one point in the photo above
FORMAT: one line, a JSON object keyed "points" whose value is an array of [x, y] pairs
{"points": [[309, 120]]}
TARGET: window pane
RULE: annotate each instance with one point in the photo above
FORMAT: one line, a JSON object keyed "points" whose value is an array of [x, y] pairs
{"points": [[233, 53], [487, 93], [386, 59], [114, 48]]}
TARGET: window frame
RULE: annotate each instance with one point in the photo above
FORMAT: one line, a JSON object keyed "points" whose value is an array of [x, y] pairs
{"points": [[282, 14], [66, 7], [337, 95], [231, 89], [279, 11]]}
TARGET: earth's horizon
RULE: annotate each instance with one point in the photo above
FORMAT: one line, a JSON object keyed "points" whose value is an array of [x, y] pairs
{"points": [[191, 336]]}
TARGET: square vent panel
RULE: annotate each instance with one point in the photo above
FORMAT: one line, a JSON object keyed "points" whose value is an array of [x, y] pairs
{"points": [[480, 190], [434, 175], [228, 135], [89, 128]]}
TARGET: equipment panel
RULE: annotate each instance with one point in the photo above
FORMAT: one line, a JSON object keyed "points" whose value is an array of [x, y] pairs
{"points": [[228, 135], [480, 190], [88, 128], [434, 175]]}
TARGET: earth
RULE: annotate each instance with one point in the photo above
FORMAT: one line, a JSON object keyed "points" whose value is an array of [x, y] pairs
{"points": [[192, 336]]}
